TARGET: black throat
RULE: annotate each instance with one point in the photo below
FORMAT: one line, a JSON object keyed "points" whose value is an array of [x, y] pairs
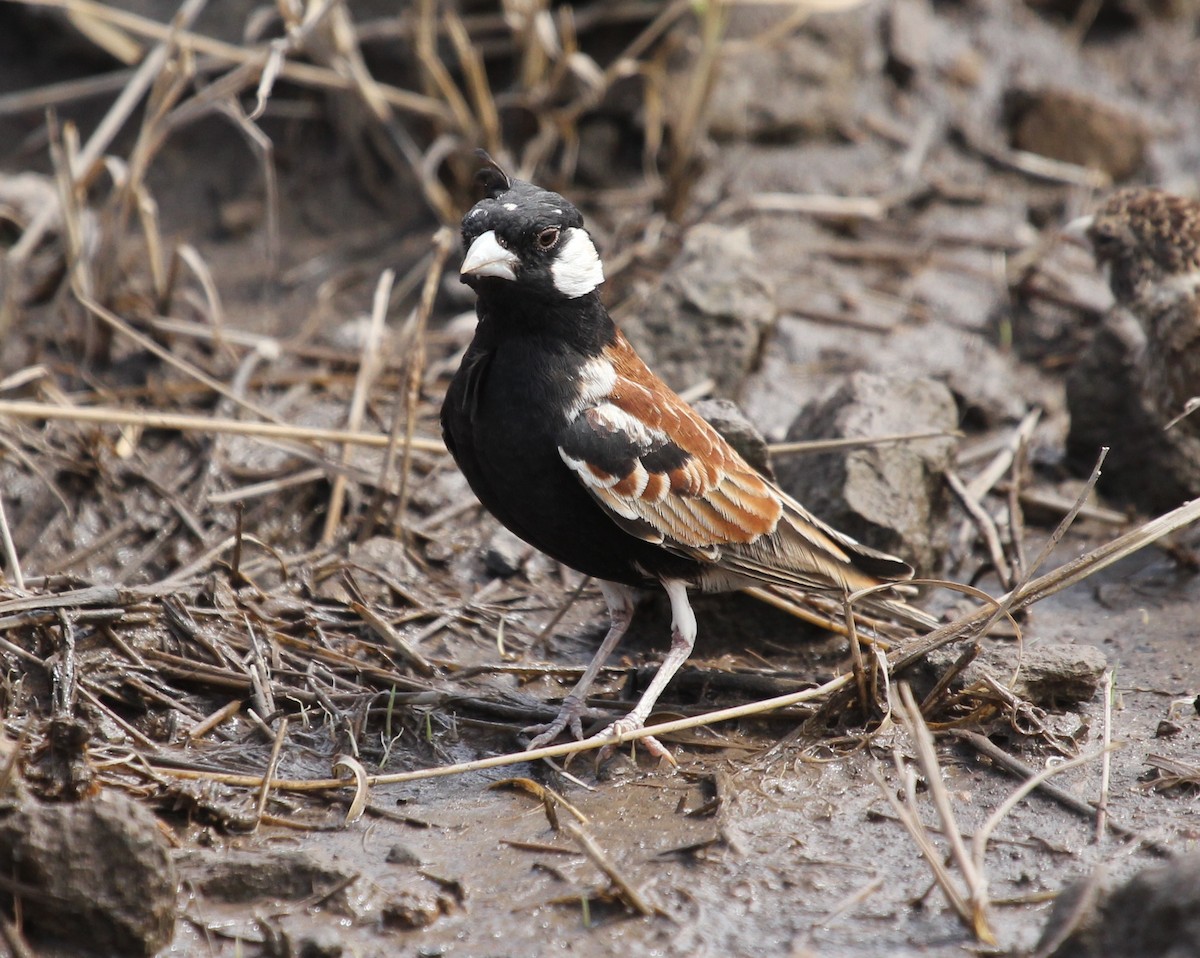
{"points": [[505, 312]]}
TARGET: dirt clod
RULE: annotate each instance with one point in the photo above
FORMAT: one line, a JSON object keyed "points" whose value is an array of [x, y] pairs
{"points": [[246, 876], [1111, 404], [410, 910], [1069, 126], [1155, 914], [62, 858]]}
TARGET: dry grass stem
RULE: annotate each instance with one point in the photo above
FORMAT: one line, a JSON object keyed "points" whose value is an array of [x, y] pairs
{"points": [[301, 73], [818, 205], [443, 243], [830, 445], [979, 842], [1049, 501], [10, 549], [628, 891], [393, 639], [984, 524], [906, 812], [543, 793], [368, 369], [1071, 573], [131, 95], [1000, 464], [973, 906], [1107, 684], [515, 758], [184, 423], [223, 714], [117, 324], [1068, 800], [264, 791]]}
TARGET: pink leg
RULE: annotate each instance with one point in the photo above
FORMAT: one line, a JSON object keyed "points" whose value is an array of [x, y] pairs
{"points": [[620, 600], [683, 638]]}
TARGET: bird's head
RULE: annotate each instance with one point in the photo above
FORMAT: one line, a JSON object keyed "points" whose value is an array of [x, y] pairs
{"points": [[1148, 242], [522, 238]]}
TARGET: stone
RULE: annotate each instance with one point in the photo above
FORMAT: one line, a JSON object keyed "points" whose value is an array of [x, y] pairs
{"points": [[505, 553], [907, 29], [1051, 675], [891, 496], [727, 418], [708, 316]]}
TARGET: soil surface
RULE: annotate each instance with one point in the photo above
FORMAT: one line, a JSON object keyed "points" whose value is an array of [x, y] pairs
{"points": [[871, 210]]}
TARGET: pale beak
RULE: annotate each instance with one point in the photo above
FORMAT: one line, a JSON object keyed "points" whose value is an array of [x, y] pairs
{"points": [[1076, 231], [487, 257]]}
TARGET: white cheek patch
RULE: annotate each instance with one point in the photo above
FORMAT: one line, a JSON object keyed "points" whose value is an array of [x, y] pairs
{"points": [[576, 270], [510, 206]]}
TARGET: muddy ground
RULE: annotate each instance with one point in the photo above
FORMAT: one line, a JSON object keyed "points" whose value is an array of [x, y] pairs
{"points": [[872, 192]]}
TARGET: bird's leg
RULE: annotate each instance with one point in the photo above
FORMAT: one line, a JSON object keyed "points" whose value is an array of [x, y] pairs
{"points": [[683, 637], [620, 601]]}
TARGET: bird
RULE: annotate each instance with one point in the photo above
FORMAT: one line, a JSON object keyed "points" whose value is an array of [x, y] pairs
{"points": [[569, 439], [1147, 241]]}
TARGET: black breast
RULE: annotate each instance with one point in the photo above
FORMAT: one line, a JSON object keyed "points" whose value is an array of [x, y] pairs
{"points": [[501, 418]]}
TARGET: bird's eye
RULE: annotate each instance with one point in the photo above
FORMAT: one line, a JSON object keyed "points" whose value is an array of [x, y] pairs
{"points": [[547, 237]]}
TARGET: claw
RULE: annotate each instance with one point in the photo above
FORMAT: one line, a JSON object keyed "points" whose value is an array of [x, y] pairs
{"points": [[568, 717], [625, 726]]}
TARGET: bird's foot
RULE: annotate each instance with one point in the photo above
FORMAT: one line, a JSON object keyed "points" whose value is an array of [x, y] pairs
{"points": [[626, 726], [569, 715]]}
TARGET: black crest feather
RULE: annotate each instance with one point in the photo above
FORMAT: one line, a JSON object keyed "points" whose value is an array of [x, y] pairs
{"points": [[491, 178]]}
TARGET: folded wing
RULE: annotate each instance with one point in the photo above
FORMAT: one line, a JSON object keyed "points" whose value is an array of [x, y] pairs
{"points": [[666, 476]]}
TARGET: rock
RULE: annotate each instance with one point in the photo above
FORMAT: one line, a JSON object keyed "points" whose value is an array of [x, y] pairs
{"points": [[1076, 128], [382, 559], [800, 87], [708, 316], [246, 876], [1052, 676], [727, 419], [1131, 13], [907, 28], [321, 943], [409, 910], [990, 385], [68, 854], [59, 768], [505, 553], [889, 496], [1155, 914], [400, 854], [1109, 405]]}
